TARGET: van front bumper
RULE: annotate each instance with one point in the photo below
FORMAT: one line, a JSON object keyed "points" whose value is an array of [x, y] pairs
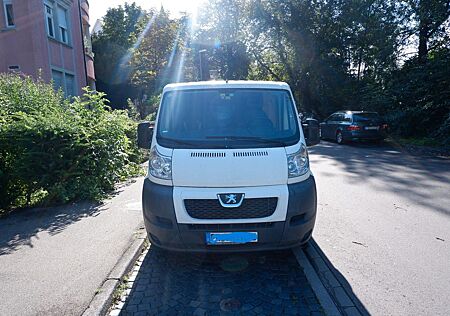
{"points": [[164, 231]]}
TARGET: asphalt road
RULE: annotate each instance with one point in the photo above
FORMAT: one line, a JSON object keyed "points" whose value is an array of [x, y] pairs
{"points": [[52, 261], [384, 224]]}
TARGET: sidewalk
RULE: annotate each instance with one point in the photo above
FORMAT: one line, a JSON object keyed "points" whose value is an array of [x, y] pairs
{"points": [[53, 260]]}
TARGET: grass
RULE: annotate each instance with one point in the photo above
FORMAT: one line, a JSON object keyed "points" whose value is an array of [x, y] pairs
{"points": [[423, 145], [422, 141], [123, 284], [121, 288]]}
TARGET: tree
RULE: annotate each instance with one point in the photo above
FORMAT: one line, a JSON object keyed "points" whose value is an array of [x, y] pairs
{"points": [[111, 46], [431, 15], [137, 53], [154, 51], [334, 54], [220, 33]]}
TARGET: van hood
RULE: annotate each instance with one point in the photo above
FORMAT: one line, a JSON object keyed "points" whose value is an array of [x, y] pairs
{"points": [[229, 167]]}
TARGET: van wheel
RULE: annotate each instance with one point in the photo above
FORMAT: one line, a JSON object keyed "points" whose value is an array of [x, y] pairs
{"points": [[339, 138]]}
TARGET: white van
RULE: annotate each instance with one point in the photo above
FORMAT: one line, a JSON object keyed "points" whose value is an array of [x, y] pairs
{"points": [[228, 170]]}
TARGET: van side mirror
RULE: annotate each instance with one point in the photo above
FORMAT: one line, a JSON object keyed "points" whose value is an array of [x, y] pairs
{"points": [[311, 132], [145, 135]]}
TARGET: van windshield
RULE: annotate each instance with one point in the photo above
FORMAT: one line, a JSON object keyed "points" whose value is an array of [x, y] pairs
{"points": [[227, 118]]}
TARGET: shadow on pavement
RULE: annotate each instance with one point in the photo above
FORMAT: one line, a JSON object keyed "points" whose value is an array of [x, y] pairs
{"points": [[18, 229], [336, 284], [216, 284], [405, 174]]}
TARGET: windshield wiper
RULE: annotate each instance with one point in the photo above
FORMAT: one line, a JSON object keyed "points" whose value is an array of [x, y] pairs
{"points": [[250, 138], [177, 141], [185, 143]]}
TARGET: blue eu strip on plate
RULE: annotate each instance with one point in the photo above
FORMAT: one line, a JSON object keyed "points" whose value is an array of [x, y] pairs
{"points": [[232, 238]]}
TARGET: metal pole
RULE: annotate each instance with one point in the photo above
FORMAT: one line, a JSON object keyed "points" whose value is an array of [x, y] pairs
{"points": [[202, 72]]}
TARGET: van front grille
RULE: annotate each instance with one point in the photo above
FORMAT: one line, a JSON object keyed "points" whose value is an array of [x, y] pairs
{"points": [[212, 209], [224, 227]]}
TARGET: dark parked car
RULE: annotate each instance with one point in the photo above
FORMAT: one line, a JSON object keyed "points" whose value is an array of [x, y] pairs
{"points": [[352, 126]]}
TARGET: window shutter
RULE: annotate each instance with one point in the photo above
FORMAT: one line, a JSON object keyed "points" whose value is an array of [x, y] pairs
{"points": [[62, 17]]}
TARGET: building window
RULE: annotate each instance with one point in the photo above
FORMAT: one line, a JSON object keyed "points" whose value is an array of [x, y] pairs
{"points": [[58, 80], [57, 22], [14, 68], [49, 20], [70, 85], [9, 13], [64, 81], [62, 23]]}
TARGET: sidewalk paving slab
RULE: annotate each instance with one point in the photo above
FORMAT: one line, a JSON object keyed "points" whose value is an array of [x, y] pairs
{"points": [[53, 260]]}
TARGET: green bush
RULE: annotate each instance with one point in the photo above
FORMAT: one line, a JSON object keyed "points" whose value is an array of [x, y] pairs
{"points": [[422, 98], [415, 99], [53, 150]]}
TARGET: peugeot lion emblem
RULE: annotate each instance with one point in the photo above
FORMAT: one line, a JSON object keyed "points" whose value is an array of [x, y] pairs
{"points": [[231, 199]]}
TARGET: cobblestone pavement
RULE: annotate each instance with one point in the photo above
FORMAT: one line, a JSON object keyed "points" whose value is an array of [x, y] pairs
{"points": [[164, 283]]}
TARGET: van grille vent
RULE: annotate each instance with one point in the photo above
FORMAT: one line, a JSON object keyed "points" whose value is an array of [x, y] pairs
{"points": [[250, 154], [212, 209], [207, 155], [222, 227]]}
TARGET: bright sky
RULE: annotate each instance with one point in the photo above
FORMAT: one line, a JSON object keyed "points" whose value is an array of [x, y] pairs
{"points": [[98, 8]]}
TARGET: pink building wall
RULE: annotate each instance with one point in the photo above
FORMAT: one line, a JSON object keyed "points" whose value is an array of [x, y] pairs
{"points": [[28, 46]]}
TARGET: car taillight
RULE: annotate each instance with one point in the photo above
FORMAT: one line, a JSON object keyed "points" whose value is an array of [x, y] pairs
{"points": [[353, 128]]}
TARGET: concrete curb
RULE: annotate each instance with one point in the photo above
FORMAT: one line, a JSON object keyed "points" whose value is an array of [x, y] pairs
{"points": [[319, 289], [336, 285], [102, 300]]}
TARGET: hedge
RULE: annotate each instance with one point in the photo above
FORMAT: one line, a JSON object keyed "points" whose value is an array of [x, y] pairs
{"points": [[54, 150]]}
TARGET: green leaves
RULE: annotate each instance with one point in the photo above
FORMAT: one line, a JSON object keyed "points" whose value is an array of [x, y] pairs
{"points": [[53, 151], [421, 94], [152, 51], [136, 53]]}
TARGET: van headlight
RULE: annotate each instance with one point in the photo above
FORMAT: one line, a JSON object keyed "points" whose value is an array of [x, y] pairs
{"points": [[160, 166], [298, 163]]}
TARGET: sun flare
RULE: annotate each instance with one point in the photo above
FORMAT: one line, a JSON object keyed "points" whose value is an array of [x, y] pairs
{"points": [[190, 6]]}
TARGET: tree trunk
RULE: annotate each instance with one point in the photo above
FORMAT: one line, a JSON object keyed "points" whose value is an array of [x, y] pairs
{"points": [[423, 42], [359, 64]]}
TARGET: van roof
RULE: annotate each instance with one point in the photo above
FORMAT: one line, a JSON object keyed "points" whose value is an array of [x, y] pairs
{"points": [[227, 84]]}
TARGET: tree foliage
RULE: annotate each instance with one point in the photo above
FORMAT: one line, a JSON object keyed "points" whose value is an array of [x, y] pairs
{"points": [[219, 32], [385, 55], [153, 50], [137, 53], [111, 46]]}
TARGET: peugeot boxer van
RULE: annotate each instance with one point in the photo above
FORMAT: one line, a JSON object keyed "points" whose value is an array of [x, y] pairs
{"points": [[228, 169]]}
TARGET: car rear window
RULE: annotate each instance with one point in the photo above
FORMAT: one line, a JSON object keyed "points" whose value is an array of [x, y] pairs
{"points": [[365, 117]]}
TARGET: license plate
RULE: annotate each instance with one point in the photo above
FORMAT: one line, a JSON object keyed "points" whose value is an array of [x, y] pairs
{"points": [[232, 238], [370, 128]]}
